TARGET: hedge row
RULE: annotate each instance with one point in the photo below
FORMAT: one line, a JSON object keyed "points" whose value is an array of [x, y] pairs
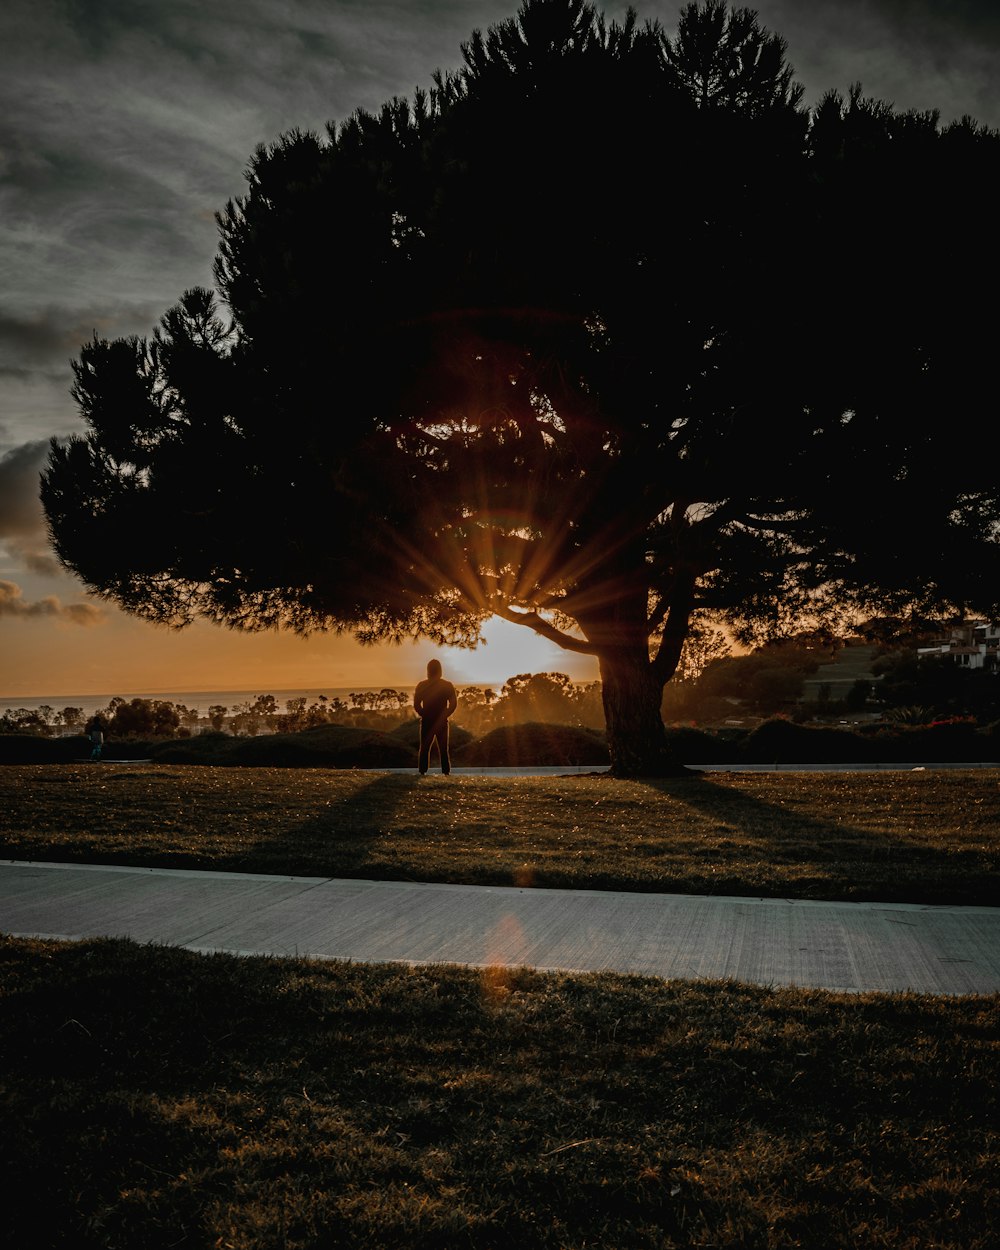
{"points": [[335, 746], [784, 742]]}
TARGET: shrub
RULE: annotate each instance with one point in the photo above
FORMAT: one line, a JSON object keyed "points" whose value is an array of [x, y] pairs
{"points": [[27, 748], [534, 745], [206, 748], [955, 742], [326, 746], [696, 746], [409, 734], [781, 742], [323, 746]]}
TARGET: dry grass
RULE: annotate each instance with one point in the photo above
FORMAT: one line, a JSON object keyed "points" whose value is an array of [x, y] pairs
{"points": [[157, 1098], [918, 837]]}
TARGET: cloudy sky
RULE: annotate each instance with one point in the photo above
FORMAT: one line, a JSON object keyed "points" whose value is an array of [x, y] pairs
{"points": [[125, 125]]}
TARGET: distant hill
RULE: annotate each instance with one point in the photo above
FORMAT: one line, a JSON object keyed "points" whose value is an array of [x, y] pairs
{"points": [[852, 663]]}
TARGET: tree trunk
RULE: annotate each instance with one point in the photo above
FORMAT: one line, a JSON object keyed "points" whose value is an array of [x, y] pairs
{"points": [[632, 694]]}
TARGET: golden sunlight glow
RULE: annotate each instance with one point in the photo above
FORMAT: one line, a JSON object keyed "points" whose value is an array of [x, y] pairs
{"points": [[509, 649], [128, 657]]}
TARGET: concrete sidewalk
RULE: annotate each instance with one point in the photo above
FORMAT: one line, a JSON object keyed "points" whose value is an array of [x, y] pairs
{"points": [[837, 946]]}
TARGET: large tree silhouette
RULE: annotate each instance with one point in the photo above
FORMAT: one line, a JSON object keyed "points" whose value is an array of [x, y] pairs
{"points": [[603, 331]]}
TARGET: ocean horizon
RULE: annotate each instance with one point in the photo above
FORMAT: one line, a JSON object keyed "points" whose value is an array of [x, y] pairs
{"points": [[200, 699]]}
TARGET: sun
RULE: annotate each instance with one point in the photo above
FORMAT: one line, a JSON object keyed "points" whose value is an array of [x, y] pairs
{"points": [[507, 650]]}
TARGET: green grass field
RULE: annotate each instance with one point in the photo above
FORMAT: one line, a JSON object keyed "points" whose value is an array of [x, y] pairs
{"points": [[158, 1098]]}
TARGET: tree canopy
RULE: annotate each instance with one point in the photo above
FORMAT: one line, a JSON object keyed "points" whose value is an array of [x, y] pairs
{"points": [[603, 331]]}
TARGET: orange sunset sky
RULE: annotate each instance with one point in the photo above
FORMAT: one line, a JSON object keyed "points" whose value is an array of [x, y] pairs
{"points": [[47, 656]]}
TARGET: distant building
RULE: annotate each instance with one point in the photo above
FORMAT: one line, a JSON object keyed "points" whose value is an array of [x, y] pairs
{"points": [[973, 645]]}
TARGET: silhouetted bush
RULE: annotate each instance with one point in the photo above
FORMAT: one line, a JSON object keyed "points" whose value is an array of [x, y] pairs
{"points": [[697, 746], [409, 734], [782, 742], [948, 743], [72, 749], [960, 740], [131, 748], [34, 749], [534, 745], [207, 748], [326, 746]]}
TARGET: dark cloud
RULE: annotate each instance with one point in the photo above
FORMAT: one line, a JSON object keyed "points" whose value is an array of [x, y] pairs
{"points": [[36, 348], [23, 531], [14, 605], [51, 335], [21, 513], [28, 556], [915, 54], [38, 337]]}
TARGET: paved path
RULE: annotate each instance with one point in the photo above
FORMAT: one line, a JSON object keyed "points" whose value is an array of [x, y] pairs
{"points": [[837, 946]]}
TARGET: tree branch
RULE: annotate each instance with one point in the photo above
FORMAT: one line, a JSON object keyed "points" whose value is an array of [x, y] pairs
{"points": [[655, 618], [533, 621], [675, 631]]}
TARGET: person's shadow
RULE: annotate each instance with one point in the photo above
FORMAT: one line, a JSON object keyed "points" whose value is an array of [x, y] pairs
{"points": [[337, 840]]}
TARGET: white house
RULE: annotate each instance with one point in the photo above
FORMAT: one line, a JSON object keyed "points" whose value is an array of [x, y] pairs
{"points": [[973, 645]]}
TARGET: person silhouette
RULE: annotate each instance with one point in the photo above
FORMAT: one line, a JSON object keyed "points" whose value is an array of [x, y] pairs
{"points": [[95, 731], [434, 700]]}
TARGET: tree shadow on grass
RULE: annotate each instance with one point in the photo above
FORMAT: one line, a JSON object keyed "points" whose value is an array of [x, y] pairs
{"points": [[339, 840], [749, 844]]}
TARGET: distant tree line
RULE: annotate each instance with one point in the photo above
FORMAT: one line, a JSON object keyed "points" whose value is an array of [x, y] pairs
{"points": [[146, 718], [550, 697]]}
